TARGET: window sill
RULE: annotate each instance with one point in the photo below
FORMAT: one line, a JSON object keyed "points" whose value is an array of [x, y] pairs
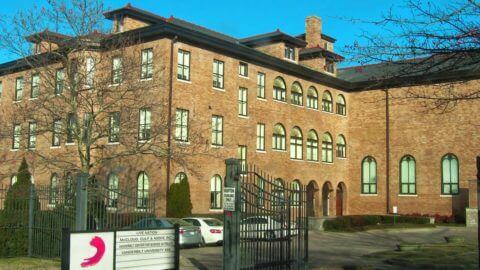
{"points": [[313, 161], [113, 143], [278, 150], [55, 147], [217, 146], [407, 195], [297, 105], [327, 163], [218, 89], [114, 85], [448, 195], [31, 148], [183, 81], [327, 112], [140, 210], [146, 79], [144, 141], [297, 160], [341, 115], [215, 210], [368, 195], [280, 101], [290, 60], [262, 99], [183, 143], [35, 98], [244, 77], [17, 101], [244, 116], [342, 158], [111, 209], [14, 150], [69, 144], [313, 109], [261, 151], [51, 205]]}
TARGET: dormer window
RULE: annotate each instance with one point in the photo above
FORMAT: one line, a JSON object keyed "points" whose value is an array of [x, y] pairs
{"points": [[289, 52], [118, 24], [330, 66]]}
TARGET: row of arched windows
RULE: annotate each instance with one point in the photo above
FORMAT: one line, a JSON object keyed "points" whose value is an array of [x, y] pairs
{"points": [[296, 97], [296, 144], [407, 175]]}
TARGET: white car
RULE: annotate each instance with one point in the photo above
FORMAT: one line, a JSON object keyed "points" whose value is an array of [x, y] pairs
{"points": [[212, 229], [265, 227]]}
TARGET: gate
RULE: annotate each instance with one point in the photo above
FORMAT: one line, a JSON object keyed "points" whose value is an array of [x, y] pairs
{"points": [[265, 221]]}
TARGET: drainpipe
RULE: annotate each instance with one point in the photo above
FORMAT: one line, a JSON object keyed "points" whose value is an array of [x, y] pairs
{"points": [[387, 148]]}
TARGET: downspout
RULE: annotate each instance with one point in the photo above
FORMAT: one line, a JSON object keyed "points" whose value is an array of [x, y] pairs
{"points": [[387, 148], [169, 120]]}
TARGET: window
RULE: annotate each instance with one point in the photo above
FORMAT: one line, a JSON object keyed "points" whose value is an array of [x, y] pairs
{"points": [[13, 179], [216, 192], [296, 144], [114, 127], [279, 89], [330, 66], [87, 127], [71, 126], [278, 138], [243, 69], [90, 69], [59, 81], [183, 69], [407, 175], [69, 189], [52, 198], [145, 124], [242, 156], [312, 146], [278, 192], [450, 174], [112, 190], [312, 98], [217, 130], [147, 64], [181, 123], [19, 84], [17, 135], [260, 85], [297, 94], [260, 137], [35, 86], [56, 132], [32, 135], [295, 193], [1, 90], [341, 147], [327, 102], [369, 176], [242, 101], [341, 105], [327, 148], [261, 192], [218, 74], [117, 70], [289, 52], [181, 176], [142, 190]]}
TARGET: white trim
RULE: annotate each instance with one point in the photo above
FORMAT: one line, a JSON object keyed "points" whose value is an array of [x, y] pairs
{"points": [[341, 158], [328, 163], [111, 208], [407, 195], [298, 160], [261, 99], [313, 109], [448, 195], [261, 151], [313, 161], [281, 151], [17, 101], [55, 147], [243, 77], [328, 112], [33, 98], [147, 79], [244, 116], [279, 101], [113, 143], [368, 195], [69, 144], [296, 105], [215, 210], [14, 150], [218, 89], [183, 81], [182, 142], [114, 84], [290, 60], [217, 146]]}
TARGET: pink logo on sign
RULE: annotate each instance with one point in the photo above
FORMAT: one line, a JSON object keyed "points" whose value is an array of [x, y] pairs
{"points": [[97, 243]]}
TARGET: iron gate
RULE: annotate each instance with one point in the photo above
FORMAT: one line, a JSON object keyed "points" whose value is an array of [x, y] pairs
{"points": [[268, 227]]}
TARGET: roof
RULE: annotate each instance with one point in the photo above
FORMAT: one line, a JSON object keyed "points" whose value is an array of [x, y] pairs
{"points": [[272, 37], [316, 51], [49, 36], [325, 37]]}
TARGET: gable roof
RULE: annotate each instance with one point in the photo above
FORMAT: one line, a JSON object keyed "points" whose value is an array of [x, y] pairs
{"points": [[272, 37]]}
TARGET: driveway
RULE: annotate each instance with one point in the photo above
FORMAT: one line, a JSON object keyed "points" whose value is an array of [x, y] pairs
{"points": [[329, 250]]}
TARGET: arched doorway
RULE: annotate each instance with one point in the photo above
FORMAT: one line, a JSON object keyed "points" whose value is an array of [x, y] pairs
{"points": [[312, 198], [326, 190], [340, 199]]}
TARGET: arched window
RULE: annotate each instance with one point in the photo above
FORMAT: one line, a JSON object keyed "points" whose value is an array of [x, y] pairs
{"points": [[261, 192], [450, 174], [312, 98], [279, 89], [407, 175], [341, 105], [216, 192], [69, 189], [369, 175], [53, 189], [179, 177], [296, 144], [295, 192], [327, 102], [142, 190], [341, 146], [13, 179], [312, 145], [297, 94], [278, 192], [112, 190], [327, 148], [278, 138]]}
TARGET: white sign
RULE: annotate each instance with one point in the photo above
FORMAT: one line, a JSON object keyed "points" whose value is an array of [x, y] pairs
{"points": [[145, 249], [395, 210], [92, 251], [229, 199]]}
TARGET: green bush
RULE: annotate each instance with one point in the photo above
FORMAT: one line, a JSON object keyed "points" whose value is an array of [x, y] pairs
{"points": [[359, 223], [179, 204]]}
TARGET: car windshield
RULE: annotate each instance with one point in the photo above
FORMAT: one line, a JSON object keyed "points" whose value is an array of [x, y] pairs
{"points": [[180, 222], [213, 222]]}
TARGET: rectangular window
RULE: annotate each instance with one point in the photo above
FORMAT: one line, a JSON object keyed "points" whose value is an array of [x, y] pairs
{"points": [[87, 127], [218, 74], [57, 131], [183, 69], [32, 135], [71, 126], [243, 69], [242, 102], [217, 130], [330, 66], [59, 81], [145, 124], [35, 86], [114, 127], [1, 90], [181, 123], [261, 85], [289, 53], [147, 64], [17, 135], [261, 137], [117, 70], [19, 84], [242, 157], [90, 69]]}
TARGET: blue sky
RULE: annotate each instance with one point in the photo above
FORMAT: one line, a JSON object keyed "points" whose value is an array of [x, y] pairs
{"points": [[250, 17]]}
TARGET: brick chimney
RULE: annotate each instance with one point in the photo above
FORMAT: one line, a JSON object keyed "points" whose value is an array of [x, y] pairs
{"points": [[313, 31]]}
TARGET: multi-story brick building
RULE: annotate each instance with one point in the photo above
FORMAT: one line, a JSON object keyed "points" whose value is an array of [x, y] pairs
{"points": [[279, 101]]}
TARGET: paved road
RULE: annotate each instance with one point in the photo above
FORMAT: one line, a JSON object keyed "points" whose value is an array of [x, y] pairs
{"points": [[340, 250]]}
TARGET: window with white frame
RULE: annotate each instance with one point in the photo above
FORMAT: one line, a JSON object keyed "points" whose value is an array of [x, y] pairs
{"points": [[59, 81], [341, 146], [278, 138], [312, 98], [327, 102], [114, 127], [35, 86], [243, 69], [90, 69], [112, 190], [142, 190], [450, 174], [117, 70], [407, 175], [296, 94], [242, 156], [53, 189], [71, 126], [296, 144], [289, 52], [147, 64], [260, 85], [279, 89], [217, 130], [327, 148], [19, 84], [32, 135], [369, 175], [181, 125], [183, 68], [242, 101], [145, 124], [261, 137], [312, 145], [216, 192], [295, 192], [341, 105], [181, 176], [17, 136], [56, 132], [218, 67]]}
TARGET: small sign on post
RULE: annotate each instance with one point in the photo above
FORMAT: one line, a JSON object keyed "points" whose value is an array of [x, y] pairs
{"points": [[229, 199]]}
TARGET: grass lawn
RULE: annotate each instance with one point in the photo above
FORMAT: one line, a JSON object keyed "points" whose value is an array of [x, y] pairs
{"points": [[28, 263], [432, 256]]}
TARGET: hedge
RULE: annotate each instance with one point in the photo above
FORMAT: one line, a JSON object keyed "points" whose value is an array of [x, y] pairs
{"points": [[358, 223]]}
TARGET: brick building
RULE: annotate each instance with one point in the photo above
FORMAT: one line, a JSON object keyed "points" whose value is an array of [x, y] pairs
{"points": [[277, 101]]}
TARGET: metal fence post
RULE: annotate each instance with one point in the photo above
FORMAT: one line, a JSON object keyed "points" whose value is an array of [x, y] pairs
{"points": [[31, 206], [81, 202], [231, 232]]}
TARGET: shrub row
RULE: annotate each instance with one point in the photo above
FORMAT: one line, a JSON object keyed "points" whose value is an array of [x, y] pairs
{"points": [[353, 223]]}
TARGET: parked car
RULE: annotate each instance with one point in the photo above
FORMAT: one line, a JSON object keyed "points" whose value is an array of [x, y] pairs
{"points": [[189, 235], [212, 229], [265, 227]]}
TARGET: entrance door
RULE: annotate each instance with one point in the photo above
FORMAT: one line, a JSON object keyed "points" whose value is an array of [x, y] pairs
{"points": [[326, 199], [339, 204], [311, 200]]}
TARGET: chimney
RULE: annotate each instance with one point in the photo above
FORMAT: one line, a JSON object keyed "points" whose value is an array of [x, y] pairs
{"points": [[313, 31]]}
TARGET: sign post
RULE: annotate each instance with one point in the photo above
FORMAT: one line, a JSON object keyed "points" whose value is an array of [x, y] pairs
{"points": [[231, 217]]}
